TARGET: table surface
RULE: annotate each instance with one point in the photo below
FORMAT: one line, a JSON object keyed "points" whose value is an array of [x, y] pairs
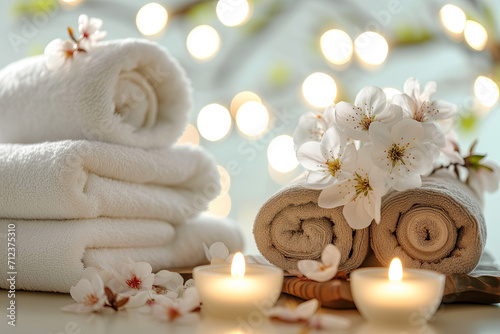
{"points": [[39, 312]]}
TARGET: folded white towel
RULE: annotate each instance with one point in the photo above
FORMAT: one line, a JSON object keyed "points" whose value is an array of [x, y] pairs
{"points": [[128, 92], [51, 255], [83, 179]]}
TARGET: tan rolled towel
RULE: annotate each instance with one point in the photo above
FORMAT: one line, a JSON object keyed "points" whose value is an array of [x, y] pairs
{"points": [[291, 226], [439, 226]]}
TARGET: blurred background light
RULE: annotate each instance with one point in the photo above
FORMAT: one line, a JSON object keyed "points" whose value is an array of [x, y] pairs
{"points": [[319, 89], [475, 35], [252, 118], [371, 47], [151, 19], [189, 136], [221, 206], [336, 46], [486, 91], [281, 154], [232, 12], [242, 98], [453, 18], [214, 122], [203, 42]]}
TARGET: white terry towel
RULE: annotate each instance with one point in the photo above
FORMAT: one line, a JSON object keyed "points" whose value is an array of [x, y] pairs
{"points": [[128, 92], [51, 255], [83, 179]]}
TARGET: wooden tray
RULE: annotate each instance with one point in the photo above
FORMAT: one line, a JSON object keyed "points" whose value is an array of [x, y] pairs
{"points": [[481, 286]]}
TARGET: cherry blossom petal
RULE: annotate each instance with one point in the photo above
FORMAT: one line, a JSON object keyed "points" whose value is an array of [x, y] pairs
{"points": [[336, 195], [442, 110], [307, 309], [316, 270], [142, 269], [309, 155], [434, 133], [331, 256], [412, 89], [138, 300], [430, 89], [283, 313], [380, 135], [372, 99], [407, 130], [310, 128], [356, 215], [319, 179], [348, 158], [408, 105], [332, 143]]}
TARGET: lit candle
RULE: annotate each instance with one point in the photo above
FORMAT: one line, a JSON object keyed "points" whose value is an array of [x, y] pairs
{"points": [[237, 290], [395, 297]]}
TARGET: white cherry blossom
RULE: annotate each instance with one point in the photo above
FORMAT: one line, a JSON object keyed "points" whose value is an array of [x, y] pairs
{"points": [[328, 161], [90, 30], [360, 194], [58, 53], [88, 294], [326, 269], [312, 125], [132, 277], [401, 152], [178, 311], [369, 107], [484, 179], [218, 253], [420, 107]]}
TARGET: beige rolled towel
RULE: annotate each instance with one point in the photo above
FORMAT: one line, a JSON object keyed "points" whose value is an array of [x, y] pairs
{"points": [[439, 226], [291, 226]]}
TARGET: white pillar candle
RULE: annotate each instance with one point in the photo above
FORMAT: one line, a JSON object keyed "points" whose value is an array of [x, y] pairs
{"points": [[232, 292], [396, 297]]}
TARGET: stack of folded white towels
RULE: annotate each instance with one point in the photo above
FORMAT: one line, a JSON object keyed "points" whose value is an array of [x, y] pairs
{"points": [[89, 170]]}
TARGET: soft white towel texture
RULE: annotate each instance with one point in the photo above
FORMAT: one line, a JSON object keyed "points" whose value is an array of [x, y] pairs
{"points": [[83, 179], [128, 92], [52, 255]]}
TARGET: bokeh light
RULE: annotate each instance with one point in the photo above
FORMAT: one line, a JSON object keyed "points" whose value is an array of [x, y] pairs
{"points": [[214, 122], [221, 206], [252, 118], [390, 92], [319, 89], [371, 47], [70, 2], [242, 98], [336, 46], [281, 154], [225, 180], [151, 19], [189, 136], [203, 42], [486, 91], [232, 12], [453, 18], [475, 35]]}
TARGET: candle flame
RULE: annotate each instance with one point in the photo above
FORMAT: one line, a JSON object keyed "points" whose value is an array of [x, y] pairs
{"points": [[396, 270], [238, 265]]}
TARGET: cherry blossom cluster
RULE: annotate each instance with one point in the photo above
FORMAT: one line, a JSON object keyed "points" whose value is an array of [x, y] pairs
{"points": [[60, 52], [133, 285], [356, 153]]}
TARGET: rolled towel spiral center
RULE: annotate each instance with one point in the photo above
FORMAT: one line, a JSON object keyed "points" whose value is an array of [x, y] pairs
{"points": [[426, 233], [135, 100]]}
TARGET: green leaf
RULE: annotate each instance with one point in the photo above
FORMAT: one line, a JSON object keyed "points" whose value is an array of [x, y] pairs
{"points": [[32, 7]]}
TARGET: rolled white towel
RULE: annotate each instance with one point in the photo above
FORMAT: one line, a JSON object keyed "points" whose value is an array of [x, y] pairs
{"points": [[51, 255], [128, 92], [83, 179]]}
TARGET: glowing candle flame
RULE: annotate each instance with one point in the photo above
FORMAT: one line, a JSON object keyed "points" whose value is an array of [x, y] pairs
{"points": [[396, 270], [238, 265]]}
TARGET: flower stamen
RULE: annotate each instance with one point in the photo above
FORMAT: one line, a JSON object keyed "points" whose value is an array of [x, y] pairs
{"points": [[365, 122], [333, 166], [134, 282], [395, 154]]}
